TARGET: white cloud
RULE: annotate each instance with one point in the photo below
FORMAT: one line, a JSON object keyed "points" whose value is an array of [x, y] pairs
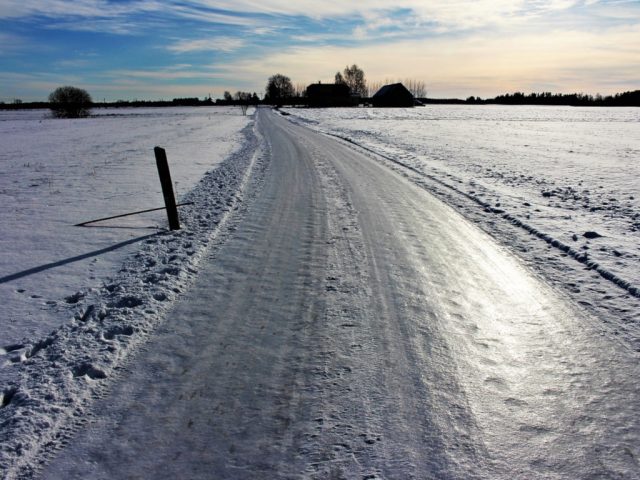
{"points": [[220, 44]]}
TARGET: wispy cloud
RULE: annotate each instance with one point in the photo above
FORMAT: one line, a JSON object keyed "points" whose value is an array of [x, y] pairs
{"points": [[265, 17], [196, 12], [77, 8], [109, 25], [452, 14], [124, 17], [457, 14], [73, 63], [12, 44], [161, 74], [220, 44]]}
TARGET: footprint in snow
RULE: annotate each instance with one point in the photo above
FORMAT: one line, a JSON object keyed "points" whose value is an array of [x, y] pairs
{"points": [[112, 332], [87, 369]]}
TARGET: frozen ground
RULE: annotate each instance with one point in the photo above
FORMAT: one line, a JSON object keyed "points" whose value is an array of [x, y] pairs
{"points": [[48, 378], [341, 323], [56, 173], [539, 178], [353, 326]]}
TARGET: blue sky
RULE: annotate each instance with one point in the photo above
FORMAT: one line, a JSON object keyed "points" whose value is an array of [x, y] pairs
{"points": [[154, 49]]}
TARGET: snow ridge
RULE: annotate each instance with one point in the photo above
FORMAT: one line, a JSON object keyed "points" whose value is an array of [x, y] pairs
{"points": [[47, 385], [581, 257]]}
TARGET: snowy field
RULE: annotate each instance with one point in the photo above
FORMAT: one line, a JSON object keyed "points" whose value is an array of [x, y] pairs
{"points": [[563, 179], [78, 302], [351, 325], [56, 173]]}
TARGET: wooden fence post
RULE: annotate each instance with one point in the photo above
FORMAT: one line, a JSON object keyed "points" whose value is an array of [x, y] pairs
{"points": [[167, 188]]}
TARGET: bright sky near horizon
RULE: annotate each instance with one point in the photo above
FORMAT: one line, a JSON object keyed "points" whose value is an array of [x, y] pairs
{"points": [[161, 49]]}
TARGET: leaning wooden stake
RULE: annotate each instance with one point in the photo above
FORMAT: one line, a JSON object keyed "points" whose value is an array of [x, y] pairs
{"points": [[167, 188]]}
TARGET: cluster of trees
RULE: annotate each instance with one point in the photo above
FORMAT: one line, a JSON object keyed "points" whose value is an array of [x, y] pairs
{"points": [[573, 99], [280, 89], [353, 77], [15, 101], [176, 102], [20, 105], [72, 102], [191, 101], [241, 98]]}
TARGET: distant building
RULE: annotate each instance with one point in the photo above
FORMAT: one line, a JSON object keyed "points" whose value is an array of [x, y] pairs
{"points": [[393, 95], [329, 95]]}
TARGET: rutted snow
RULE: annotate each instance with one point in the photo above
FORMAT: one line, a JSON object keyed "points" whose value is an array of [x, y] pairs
{"points": [[47, 381], [557, 173], [56, 173]]}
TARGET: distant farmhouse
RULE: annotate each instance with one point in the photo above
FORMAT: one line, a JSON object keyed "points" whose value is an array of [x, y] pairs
{"points": [[322, 95], [329, 95], [393, 95]]}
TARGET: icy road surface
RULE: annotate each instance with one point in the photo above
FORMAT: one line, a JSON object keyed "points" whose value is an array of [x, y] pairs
{"points": [[352, 326]]}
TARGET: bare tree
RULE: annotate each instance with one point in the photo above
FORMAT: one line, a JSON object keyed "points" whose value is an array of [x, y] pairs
{"points": [[354, 78], [417, 88], [300, 90], [373, 87], [279, 87], [243, 99], [70, 102]]}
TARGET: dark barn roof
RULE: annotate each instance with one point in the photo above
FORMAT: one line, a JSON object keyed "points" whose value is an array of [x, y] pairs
{"points": [[393, 95], [328, 95]]}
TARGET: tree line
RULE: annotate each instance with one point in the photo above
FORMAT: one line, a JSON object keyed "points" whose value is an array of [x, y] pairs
{"points": [[625, 99], [68, 102]]}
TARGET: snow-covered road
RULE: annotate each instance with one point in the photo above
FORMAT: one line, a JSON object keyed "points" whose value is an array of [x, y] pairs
{"points": [[353, 326]]}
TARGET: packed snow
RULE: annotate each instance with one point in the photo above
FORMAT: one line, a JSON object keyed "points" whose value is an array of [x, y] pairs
{"points": [[559, 185]]}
